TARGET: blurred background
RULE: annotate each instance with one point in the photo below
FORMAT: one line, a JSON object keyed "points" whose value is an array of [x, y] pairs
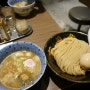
{"points": [[59, 9]]}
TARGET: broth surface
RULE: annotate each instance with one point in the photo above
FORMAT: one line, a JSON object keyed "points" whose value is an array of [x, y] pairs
{"points": [[19, 69], [21, 4]]}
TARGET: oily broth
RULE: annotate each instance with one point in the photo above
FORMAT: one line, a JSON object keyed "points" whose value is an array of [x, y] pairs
{"points": [[19, 69], [23, 3]]}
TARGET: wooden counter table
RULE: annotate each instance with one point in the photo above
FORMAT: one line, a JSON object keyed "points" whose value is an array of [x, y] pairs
{"points": [[42, 24], [43, 27]]}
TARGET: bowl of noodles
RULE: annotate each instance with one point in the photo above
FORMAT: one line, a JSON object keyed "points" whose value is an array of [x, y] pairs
{"points": [[22, 64], [63, 52]]}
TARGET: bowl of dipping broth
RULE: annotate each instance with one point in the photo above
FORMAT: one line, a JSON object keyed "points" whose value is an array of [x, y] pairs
{"points": [[22, 7], [22, 65]]}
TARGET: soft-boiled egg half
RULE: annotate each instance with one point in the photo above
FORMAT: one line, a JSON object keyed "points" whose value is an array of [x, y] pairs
{"points": [[85, 61]]}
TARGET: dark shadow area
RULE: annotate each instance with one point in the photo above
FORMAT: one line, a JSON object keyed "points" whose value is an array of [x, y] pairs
{"points": [[80, 30], [43, 83], [60, 82], [79, 87], [67, 85], [38, 8], [3, 3]]}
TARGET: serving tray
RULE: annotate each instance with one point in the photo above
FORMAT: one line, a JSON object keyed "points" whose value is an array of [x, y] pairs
{"points": [[14, 35]]}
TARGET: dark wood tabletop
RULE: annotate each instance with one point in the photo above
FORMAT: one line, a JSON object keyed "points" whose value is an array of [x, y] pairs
{"points": [[85, 2]]}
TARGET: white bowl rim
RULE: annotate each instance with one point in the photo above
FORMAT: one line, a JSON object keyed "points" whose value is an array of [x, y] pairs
{"points": [[21, 6], [44, 68]]}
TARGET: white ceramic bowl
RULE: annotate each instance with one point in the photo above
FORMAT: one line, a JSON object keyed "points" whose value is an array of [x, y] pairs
{"points": [[22, 10], [28, 46]]}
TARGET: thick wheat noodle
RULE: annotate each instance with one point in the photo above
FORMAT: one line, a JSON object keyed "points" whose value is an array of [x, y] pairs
{"points": [[58, 51], [57, 47], [66, 50], [67, 55], [73, 61]]}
